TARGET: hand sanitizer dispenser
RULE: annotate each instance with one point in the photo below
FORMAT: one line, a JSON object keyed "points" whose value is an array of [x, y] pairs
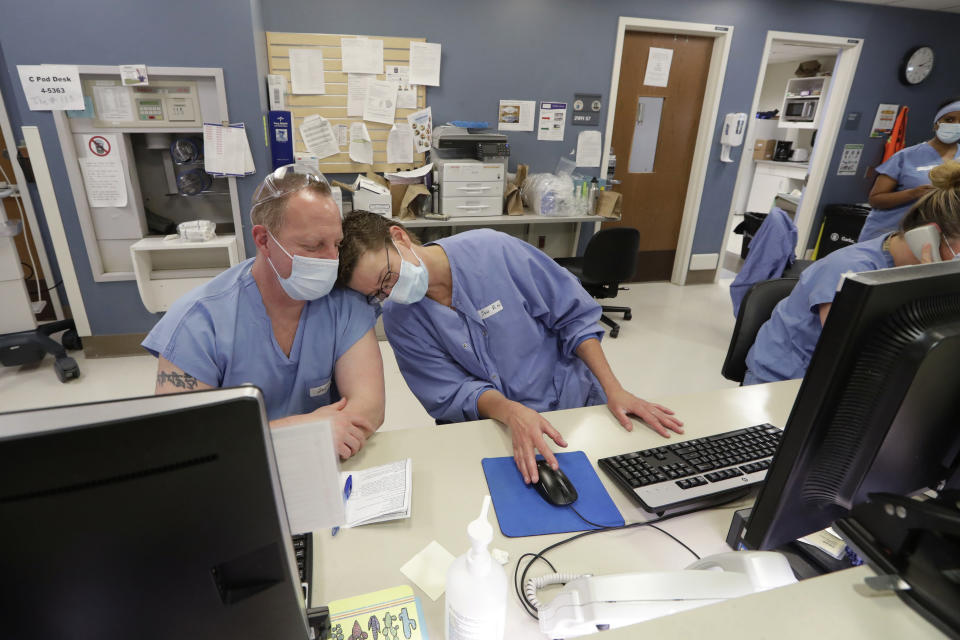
{"points": [[734, 126]]}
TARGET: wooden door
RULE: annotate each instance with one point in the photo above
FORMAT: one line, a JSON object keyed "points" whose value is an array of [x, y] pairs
{"points": [[654, 190]]}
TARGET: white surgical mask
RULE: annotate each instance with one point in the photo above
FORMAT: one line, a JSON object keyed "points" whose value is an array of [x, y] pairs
{"points": [[948, 132], [310, 278], [412, 282]]}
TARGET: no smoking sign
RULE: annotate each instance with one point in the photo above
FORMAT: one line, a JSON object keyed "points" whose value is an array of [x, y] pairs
{"points": [[99, 146]]}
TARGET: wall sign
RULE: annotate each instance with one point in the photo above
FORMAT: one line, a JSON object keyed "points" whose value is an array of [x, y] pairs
{"points": [[51, 87], [586, 109]]}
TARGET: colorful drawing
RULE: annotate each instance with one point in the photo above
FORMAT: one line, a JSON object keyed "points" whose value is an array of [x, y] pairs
{"points": [[336, 632], [389, 630], [357, 633], [373, 626], [408, 623]]}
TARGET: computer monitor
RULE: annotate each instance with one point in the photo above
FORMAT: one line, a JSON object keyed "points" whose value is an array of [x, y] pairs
{"points": [[158, 517], [878, 409]]}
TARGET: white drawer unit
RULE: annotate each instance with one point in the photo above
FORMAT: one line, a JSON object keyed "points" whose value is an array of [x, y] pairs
{"points": [[471, 188], [458, 207]]}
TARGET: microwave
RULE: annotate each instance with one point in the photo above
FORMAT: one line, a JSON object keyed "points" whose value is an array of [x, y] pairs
{"points": [[800, 109]]}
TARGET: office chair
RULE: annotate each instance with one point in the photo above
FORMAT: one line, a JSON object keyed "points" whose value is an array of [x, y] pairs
{"points": [[756, 308], [25, 347], [610, 258]]}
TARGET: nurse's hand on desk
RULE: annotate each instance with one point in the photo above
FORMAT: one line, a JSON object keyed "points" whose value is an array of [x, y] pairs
{"points": [[527, 428], [350, 430], [622, 404]]}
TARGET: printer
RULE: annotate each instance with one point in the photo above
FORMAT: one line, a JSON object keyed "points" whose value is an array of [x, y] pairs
{"points": [[470, 170]]}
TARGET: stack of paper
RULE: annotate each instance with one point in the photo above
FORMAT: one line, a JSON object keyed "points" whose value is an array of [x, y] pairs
{"points": [[226, 151], [379, 494]]}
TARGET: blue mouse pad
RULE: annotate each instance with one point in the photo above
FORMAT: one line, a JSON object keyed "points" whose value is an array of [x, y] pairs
{"points": [[521, 511]]}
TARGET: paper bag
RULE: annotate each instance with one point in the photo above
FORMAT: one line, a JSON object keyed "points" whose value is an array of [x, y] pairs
{"points": [[513, 205], [412, 201], [609, 204]]}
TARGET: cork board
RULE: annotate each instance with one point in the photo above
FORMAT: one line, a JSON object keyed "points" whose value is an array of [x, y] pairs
{"points": [[333, 104]]}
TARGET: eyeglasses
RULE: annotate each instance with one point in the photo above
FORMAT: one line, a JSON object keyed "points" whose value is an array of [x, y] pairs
{"points": [[386, 282]]}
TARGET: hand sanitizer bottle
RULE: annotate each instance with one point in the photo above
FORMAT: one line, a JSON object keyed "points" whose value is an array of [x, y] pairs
{"points": [[476, 588]]}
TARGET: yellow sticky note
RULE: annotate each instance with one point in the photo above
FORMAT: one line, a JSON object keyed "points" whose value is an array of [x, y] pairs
{"points": [[428, 569]]}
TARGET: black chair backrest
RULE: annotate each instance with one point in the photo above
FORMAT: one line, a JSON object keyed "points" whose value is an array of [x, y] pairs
{"points": [[756, 308], [611, 255]]}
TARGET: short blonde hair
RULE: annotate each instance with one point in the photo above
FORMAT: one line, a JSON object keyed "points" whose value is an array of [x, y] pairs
{"points": [[940, 205], [270, 212]]}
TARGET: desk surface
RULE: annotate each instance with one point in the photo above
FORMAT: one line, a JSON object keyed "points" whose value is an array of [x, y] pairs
{"points": [[527, 218], [449, 485]]}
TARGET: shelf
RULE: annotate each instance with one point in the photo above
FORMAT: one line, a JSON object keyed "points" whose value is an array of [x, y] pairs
{"points": [[175, 274]]}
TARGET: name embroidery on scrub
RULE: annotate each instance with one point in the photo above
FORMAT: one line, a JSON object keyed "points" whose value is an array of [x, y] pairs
{"points": [[319, 391], [491, 309]]}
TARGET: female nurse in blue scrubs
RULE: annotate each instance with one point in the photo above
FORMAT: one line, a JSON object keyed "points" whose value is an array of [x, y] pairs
{"points": [[785, 343], [484, 325], [904, 177]]}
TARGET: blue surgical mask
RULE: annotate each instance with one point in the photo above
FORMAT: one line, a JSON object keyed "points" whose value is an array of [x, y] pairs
{"points": [[412, 282], [948, 132], [310, 278]]}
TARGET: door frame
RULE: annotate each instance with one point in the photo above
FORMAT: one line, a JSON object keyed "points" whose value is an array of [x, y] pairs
{"points": [[722, 36], [841, 81]]}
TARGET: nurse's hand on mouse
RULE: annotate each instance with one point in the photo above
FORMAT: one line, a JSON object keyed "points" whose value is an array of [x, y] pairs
{"points": [[527, 428], [623, 404]]}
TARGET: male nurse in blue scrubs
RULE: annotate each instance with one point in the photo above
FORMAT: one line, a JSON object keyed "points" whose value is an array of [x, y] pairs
{"points": [[905, 177], [484, 325], [277, 322]]}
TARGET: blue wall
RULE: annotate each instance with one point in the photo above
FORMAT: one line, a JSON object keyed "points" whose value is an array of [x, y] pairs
{"points": [[209, 33], [550, 49], [492, 49]]}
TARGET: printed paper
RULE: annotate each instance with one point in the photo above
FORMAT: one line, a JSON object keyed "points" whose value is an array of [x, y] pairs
{"points": [[400, 144], [51, 87], [277, 87], [134, 75], [516, 115], [357, 92], [885, 119], [113, 103], [406, 92], [306, 71], [425, 63], [422, 124], [361, 55], [658, 67], [381, 103], [343, 134], [318, 136], [103, 182], [589, 145], [552, 121], [361, 148], [850, 160]]}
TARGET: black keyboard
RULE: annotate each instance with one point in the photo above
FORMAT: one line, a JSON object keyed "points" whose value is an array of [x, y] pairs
{"points": [[303, 551], [701, 470]]}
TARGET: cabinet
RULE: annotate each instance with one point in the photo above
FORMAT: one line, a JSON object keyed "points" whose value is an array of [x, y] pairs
{"points": [[771, 178], [803, 102]]}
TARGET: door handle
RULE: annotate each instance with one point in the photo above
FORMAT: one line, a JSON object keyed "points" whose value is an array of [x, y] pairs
{"points": [[640, 106]]}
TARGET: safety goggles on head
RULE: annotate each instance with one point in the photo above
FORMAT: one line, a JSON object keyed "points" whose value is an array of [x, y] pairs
{"points": [[285, 180]]}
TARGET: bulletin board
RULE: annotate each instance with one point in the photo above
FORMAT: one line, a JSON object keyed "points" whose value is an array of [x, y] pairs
{"points": [[333, 104]]}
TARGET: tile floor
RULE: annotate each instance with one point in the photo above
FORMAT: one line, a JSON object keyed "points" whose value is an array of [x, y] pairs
{"points": [[675, 343]]}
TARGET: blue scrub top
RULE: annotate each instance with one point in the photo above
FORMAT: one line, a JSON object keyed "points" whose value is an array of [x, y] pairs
{"points": [[910, 167], [516, 320], [785, 343], [220, 334]]}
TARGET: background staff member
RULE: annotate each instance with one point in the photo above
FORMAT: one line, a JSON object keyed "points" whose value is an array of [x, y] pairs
{"points": [[273, 320], [785, 343], [904, 178], [486, 326]]}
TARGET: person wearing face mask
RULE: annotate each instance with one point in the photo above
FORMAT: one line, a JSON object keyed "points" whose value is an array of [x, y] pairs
{"points": [[484, 325], [904, 178], [785, 343], [277, 321]]}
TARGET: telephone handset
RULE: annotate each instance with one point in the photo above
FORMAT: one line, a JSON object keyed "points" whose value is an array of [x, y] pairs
{"points": [[921, 236]]}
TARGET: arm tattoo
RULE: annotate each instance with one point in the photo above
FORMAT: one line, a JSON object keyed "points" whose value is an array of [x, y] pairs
{"points": [[180, 380]]}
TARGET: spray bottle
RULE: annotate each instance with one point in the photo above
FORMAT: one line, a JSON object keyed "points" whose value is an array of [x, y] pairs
{"points": [[476, 588]]}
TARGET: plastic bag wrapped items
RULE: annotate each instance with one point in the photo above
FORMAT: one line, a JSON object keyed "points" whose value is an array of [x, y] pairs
{"points": [[197, 230], [548, 194]]}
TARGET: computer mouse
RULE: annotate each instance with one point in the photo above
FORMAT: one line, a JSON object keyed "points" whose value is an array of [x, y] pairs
{"points": [[554, 486]]}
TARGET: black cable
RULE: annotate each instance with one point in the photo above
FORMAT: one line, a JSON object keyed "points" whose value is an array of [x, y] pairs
{"points": [[593, 524], [518, 588], [27, 265], [676, 539], [59, 282], [530, 609]]}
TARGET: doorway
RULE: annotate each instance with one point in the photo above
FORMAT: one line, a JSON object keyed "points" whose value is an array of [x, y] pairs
{"points": [[787, 148], [662, 112]]}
